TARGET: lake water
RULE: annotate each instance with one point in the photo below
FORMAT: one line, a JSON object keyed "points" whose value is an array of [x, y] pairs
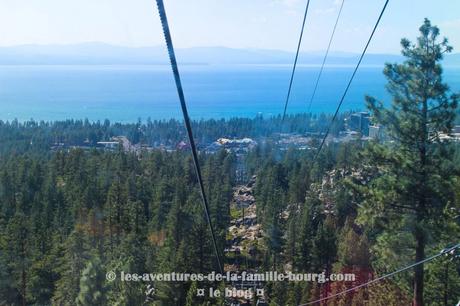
{"points": [[126, 93]]}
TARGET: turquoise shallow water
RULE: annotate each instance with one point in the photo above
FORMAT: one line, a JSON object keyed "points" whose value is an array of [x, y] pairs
{"points": [[126, 93]]}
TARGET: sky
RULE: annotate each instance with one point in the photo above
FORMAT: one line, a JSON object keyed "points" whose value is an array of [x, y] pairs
{"points": [[259, 24]]}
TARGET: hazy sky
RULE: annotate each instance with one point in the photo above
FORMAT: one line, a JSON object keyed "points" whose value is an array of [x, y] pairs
{"points": [[268, 24]]}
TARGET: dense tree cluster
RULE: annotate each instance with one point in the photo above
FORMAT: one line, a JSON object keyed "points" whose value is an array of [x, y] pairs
{"points": [[316, 219], [34, 136], [69, 216], [67, 219], [373, 207]]}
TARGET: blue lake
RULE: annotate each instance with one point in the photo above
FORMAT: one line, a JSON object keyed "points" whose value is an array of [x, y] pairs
{"points": [[126, 93]]}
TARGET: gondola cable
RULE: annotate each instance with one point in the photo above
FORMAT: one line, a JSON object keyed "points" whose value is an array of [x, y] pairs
{"points": [[295, 61], [350, 81], [443, 252], [325, 58], [180, 92]]}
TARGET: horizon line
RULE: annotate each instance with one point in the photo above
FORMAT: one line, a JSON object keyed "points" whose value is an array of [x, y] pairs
{"points": [[109, 44]]}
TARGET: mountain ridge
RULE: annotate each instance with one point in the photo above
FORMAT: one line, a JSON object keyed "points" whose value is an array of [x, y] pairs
{"points": [[94, 53]]}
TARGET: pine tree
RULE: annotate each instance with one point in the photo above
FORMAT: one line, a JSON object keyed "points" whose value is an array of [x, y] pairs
{"points": [[92, 285], [71, 260], [115, 207], [192, 298], [353, 256], [324, 245], [120, 293], [413, 182], [308, 227], [18, 239]]}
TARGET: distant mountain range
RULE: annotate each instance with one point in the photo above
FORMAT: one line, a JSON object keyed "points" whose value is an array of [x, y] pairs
{"points": [[104, 54]]}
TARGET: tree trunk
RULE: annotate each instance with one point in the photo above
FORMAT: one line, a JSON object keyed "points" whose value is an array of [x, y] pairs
{"points": [[446, 285], [419, 275], [422, 204], [23, 287], [23, 276]]}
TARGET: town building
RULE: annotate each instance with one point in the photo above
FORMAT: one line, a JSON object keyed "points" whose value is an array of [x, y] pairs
{"points": [[359, 122], [242, 146], [376, 132]]}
